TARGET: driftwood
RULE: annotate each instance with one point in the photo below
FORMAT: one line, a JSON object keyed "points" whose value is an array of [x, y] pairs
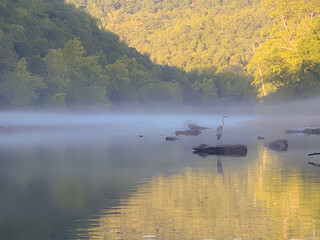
{"points": [[191, 132], [196, 127], [305, 131], [230, 150], [314, 164], [171, 138], [278, 145], [311, 154]]}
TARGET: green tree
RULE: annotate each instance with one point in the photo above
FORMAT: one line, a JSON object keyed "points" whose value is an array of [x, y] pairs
{"points": [[290, 56], [19, 87], [8, 57], [119, 80], [71, 73], [233, 83]]}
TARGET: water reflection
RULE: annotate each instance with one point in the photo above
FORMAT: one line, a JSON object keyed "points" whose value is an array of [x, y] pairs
{"points": [[265, 200], [53, 180], [219, 165]]}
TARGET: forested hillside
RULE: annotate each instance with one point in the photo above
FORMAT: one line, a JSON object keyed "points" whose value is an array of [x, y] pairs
{"points": [[205, 34], [189, 34], [53, 54]]}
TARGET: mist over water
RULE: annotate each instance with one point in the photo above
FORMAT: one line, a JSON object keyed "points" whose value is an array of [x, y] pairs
{"points": [[44, 127], [294, 108], [85, 175]]}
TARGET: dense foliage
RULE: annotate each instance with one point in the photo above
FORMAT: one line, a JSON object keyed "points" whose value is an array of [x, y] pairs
{"points": [[189, 34], [53, 54], [201, 34], [290, 58]]}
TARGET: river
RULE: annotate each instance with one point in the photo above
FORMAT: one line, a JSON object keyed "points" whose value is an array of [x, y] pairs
{"points": [[100, 176]]}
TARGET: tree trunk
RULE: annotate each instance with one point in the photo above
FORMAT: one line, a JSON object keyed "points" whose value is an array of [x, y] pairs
{"points": [[293, 46], [260, 73]]}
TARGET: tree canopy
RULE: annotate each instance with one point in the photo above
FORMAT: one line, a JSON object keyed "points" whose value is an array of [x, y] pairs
{"points": [[53, 53], [276, 42], [290, 56]]}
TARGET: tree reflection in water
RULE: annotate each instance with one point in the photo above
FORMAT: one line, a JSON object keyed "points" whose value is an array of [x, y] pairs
{"points": [[266, 200]]}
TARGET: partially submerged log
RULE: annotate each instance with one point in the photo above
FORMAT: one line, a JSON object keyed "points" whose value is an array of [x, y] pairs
{"points": [[191, 132], [314, 164], [196, 127], [312, 154], [304, 131], [278, 145], [229, 150]]}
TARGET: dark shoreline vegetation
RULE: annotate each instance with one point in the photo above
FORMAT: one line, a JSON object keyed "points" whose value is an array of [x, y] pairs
{"points": [[54, 55]]}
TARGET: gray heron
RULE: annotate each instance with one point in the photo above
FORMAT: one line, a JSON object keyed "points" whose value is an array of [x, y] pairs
{"points": [[220, 129]]}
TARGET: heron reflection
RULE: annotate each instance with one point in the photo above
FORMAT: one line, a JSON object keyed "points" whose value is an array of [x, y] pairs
{"points": [[219, 165]]}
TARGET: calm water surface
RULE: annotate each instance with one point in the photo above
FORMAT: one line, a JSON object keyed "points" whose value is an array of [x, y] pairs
{"points": [[93, 177]]}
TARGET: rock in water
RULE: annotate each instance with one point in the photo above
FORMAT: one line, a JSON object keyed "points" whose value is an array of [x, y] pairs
{"points": [[278, 145], [306, 131], [171, 138], [191, 132], [230, 150], [196, 127]]}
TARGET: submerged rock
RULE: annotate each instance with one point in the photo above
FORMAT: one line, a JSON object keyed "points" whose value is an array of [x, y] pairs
{"points": [[230, 150], [196, 127], [278, 145], [191, 132], [171, 138]]}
